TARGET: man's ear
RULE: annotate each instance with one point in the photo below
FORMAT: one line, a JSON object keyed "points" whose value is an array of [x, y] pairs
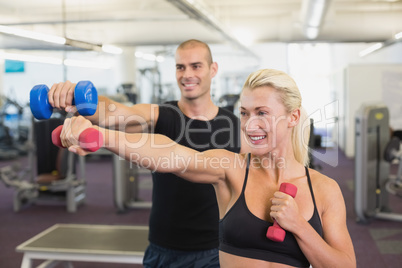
{"points": [[294, 118], [214, 69]]}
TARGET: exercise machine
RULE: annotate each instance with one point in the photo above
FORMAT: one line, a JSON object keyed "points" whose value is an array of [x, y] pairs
{"points": [[127, 185], [393, 152], [126, 175], [13, 134], [50, 175], [372, 170], [228, 101]]}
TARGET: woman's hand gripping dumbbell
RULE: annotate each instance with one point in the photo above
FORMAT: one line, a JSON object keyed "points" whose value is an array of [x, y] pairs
{"points": [[275, 232], [42, 100], [78, 135]]}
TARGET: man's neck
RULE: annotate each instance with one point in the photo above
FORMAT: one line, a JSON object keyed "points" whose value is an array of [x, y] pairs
{"points": [[201, 108]]}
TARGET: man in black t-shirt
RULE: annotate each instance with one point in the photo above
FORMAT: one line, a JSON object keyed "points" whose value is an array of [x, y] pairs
{"points": [[185, 215], [183, 229]]}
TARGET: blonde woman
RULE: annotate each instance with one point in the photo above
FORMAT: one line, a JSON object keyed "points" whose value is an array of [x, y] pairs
{"points": [[246, 185]]}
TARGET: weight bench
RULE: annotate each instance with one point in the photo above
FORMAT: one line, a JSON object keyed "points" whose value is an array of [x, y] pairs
{"points": [[85, 242]]}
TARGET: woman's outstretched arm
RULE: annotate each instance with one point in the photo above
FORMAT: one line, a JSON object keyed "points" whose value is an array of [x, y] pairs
{"points": [[154, 151]]}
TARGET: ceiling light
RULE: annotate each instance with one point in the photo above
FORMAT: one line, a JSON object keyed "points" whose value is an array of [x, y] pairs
{"points": [[59, 40], [33, 35], [53, 60], [395, 39], [371, 49], [112, 49], [149, 57], [160, 58], [30, 58], [311, 32]]}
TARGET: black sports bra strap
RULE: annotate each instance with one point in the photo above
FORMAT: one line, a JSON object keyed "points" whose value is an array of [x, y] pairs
{"points": [[245, 179], [311, 186]]}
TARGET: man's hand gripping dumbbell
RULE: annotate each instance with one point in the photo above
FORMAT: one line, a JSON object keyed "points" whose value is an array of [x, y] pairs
{"points": [[84, 96]]}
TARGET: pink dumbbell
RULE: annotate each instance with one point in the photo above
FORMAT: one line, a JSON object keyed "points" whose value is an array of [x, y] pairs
{"points": [[90, 139], [275, 232]]}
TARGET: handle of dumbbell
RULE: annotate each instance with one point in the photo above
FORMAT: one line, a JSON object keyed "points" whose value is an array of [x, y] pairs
{"points": [[275, 232], [90, 139]]}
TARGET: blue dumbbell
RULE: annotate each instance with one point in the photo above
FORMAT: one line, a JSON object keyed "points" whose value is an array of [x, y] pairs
{"points": [[85, 99]]}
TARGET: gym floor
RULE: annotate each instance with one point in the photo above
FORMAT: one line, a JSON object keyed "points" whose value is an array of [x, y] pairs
{"points": [[377, 244]]}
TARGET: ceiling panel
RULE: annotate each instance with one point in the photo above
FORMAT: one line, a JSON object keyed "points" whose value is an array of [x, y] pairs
{"points": [[159, 22]]}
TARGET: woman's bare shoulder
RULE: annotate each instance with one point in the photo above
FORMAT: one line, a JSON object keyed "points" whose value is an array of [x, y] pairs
{"points": [[325, 188], [320, 180]]}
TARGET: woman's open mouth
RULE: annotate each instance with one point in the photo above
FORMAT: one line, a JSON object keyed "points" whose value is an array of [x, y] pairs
{"points": [[256, 139]]}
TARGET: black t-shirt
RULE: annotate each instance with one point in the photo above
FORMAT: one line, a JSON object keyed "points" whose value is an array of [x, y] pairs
{"points": [[184, 214]]}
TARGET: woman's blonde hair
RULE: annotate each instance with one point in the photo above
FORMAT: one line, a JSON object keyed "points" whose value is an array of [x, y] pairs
{"points": [[291, 99]]}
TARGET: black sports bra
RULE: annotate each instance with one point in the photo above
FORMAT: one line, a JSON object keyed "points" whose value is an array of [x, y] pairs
{"points": [[243, 234]]}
